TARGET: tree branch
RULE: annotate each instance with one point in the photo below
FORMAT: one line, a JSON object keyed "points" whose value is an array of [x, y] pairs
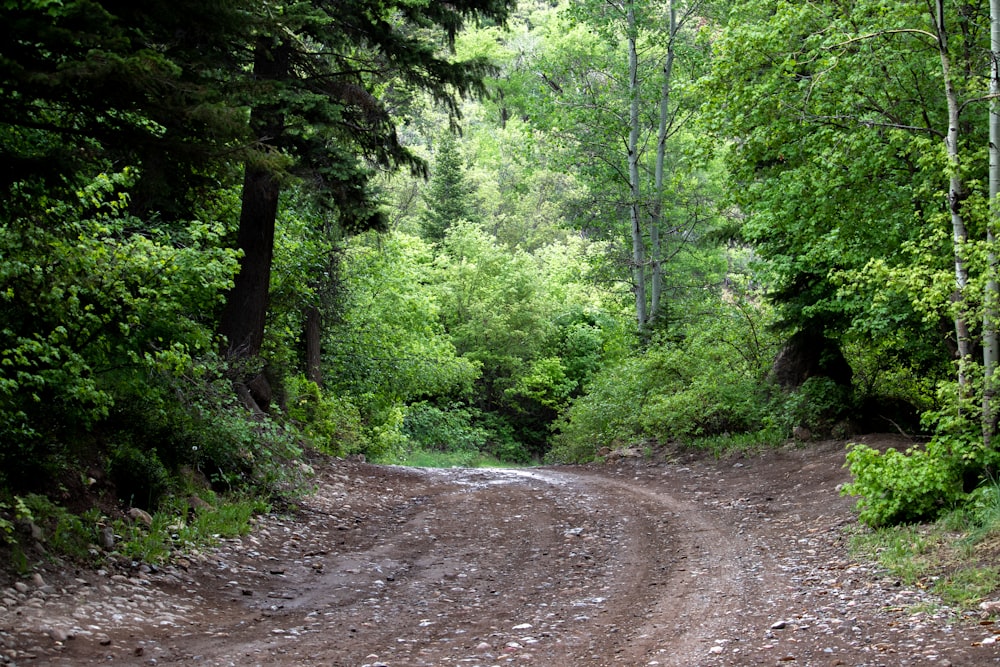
{"points": [[881, 33]]}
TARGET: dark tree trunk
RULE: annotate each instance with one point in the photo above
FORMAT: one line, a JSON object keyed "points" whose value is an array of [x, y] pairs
{"points": [[810, 354], [245, 311], [314, 329], [246, 304]]}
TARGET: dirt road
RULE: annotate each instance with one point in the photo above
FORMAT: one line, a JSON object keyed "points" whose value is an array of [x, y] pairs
{"points": [[738, 562]]}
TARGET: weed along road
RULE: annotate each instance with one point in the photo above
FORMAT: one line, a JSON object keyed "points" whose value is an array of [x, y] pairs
{"points": [[700, 562]]}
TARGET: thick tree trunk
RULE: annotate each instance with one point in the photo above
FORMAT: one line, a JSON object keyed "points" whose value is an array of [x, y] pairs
{"points": [[246, 304], [638, 242], [313, 337], [245, 311], [991, 339]]}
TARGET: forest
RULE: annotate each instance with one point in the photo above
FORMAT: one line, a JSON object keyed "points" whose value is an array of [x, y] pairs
{"points": [[237, 235]]}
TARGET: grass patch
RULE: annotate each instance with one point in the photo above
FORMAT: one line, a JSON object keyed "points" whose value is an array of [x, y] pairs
{"points": [[966, 587], [422, 458], [720, 446], [62, 535], [177, 526], [955, 557], [910, 553]]}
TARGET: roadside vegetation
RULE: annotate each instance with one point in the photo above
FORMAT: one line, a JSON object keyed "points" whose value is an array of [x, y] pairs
{"points": [[955, 556]]}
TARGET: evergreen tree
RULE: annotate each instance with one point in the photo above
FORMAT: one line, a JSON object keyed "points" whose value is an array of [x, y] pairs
{"points": [[448, 198], [82, 89], [319, 69]]}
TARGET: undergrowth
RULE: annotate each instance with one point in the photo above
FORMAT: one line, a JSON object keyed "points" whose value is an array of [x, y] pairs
{"points": [[955, 557], [728, 444], [422, 458], [37, 530]]}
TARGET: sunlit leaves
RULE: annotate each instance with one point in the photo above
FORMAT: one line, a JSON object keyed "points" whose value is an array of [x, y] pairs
{"points": [[90, 294]]}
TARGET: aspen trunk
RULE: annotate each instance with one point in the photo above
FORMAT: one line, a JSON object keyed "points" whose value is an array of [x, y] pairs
{"points": [[956, 197], [656, 222], [638, 242], [991, 339]]}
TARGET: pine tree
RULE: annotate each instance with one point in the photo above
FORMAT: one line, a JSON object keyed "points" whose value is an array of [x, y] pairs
{"points": [[448, 197]]}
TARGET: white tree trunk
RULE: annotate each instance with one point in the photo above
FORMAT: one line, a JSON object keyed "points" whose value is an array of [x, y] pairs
{"points": [[956, 196], [638, 242], [991, 340], [656, 223]]}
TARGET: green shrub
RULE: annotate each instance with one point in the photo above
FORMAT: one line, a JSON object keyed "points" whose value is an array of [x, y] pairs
{"points": [[604, 416], [193, 418], [91, 306], [817, 404], [64, 533], [903, 487], [920, 484], [333, 424], [452, 430], [698, 380], [983, 505], [501, 443]]}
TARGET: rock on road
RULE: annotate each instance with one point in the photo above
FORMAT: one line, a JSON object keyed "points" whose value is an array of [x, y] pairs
{"points": [[739, 562]]}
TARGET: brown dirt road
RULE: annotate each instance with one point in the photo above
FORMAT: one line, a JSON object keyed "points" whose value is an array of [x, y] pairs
{"points": [[701, 562]]}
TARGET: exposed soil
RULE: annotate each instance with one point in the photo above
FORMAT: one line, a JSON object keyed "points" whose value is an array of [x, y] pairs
{"points": [[701, 562]]}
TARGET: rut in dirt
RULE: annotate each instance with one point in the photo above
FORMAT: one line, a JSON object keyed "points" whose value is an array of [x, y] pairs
{"points": [[400, 566]]}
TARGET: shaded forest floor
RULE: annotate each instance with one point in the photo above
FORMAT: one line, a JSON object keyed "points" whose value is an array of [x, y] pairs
{"points": [[742, 561]]}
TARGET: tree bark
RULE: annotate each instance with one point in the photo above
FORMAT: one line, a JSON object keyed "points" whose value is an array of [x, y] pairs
{"points": [[245, 312], [638, 242], [656, 222], [313, 337], [956, 197], [991, 338]]}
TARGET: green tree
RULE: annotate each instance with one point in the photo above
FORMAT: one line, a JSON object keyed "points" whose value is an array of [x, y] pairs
{"points": [[448, 198], [84, 88], [835, 118], [611, 77], [532, 322], [387, 348], [318, 70]]}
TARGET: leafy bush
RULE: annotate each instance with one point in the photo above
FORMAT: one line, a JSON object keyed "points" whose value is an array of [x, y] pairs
{"points": [[65, 533], [817, 404], [452, 430], [983, 505], [384, 440], [333, 424], [192, 418], [502, 443], [10, 514], [903, 487], [90, 305], [604, 416], [463, 435], [708, 381], [919, 484], [239, 452]]}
